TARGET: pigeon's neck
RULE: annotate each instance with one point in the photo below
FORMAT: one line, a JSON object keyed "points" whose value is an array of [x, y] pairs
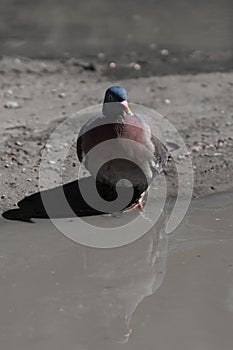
{"points": [[113, 110]]}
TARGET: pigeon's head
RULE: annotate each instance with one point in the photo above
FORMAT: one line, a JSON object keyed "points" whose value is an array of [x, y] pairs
{"points": [[115, 102], [115, 94]]}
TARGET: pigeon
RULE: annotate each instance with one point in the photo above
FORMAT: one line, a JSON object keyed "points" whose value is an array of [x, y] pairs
{"points": [[139, 165]]}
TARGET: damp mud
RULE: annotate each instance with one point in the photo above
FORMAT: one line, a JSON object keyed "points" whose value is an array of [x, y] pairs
{"points": [[161, 291]]}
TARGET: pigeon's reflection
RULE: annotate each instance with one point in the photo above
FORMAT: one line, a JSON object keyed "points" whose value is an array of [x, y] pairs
{"points": [[114, 283], [99, 289]]}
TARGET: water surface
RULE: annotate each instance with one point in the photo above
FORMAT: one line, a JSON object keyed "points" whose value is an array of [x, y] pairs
{"points": [[56, 294]]}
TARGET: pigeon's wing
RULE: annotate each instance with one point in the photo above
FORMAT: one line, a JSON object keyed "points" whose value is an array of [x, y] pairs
{"points": [[88, 126], [160, 153], [159, 149]]}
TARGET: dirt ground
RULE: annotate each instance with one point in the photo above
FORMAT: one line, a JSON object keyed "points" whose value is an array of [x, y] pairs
{"points": [[36, 95]]}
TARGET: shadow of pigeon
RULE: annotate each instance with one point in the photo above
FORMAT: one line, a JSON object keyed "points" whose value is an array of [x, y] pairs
{"points": [[33, 206]]}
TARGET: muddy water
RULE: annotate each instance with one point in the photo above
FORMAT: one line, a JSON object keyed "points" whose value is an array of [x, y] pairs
{"points": [[174, 293]]}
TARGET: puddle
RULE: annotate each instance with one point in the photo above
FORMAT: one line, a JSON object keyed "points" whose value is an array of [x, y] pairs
{"points": [[56, 294]]}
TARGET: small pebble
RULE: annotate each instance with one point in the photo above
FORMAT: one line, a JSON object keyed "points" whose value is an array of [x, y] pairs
{"points": [[18, 143], [137, 66], [62, 95], [164, 52], [167, 101], [112, 65], [52, 162], [8, 93], [48, 146], [11, 105], [210, 145], [197, 148], [18, 61]]}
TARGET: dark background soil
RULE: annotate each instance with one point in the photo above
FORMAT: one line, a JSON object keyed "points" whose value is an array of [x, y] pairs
{"points": [[197, 33]]}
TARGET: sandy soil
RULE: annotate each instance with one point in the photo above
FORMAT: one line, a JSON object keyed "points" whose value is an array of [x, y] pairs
{"points": [[43, 92]]}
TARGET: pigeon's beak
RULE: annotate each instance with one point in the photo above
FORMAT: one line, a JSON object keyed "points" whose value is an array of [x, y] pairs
{"points": [[126, 107]]}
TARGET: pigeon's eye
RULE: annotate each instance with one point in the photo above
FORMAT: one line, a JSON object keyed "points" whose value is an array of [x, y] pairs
{"points": [[110, 97]]}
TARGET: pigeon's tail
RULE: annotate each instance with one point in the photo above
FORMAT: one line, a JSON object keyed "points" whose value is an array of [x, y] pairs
{"points": [[172, 146]]}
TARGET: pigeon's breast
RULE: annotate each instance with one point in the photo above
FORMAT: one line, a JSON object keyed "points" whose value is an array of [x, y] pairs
{"points": [[130, 150], [130, 127]]}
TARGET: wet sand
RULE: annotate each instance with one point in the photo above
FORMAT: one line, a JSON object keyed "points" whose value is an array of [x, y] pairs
{"points": [[166, 292]]}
